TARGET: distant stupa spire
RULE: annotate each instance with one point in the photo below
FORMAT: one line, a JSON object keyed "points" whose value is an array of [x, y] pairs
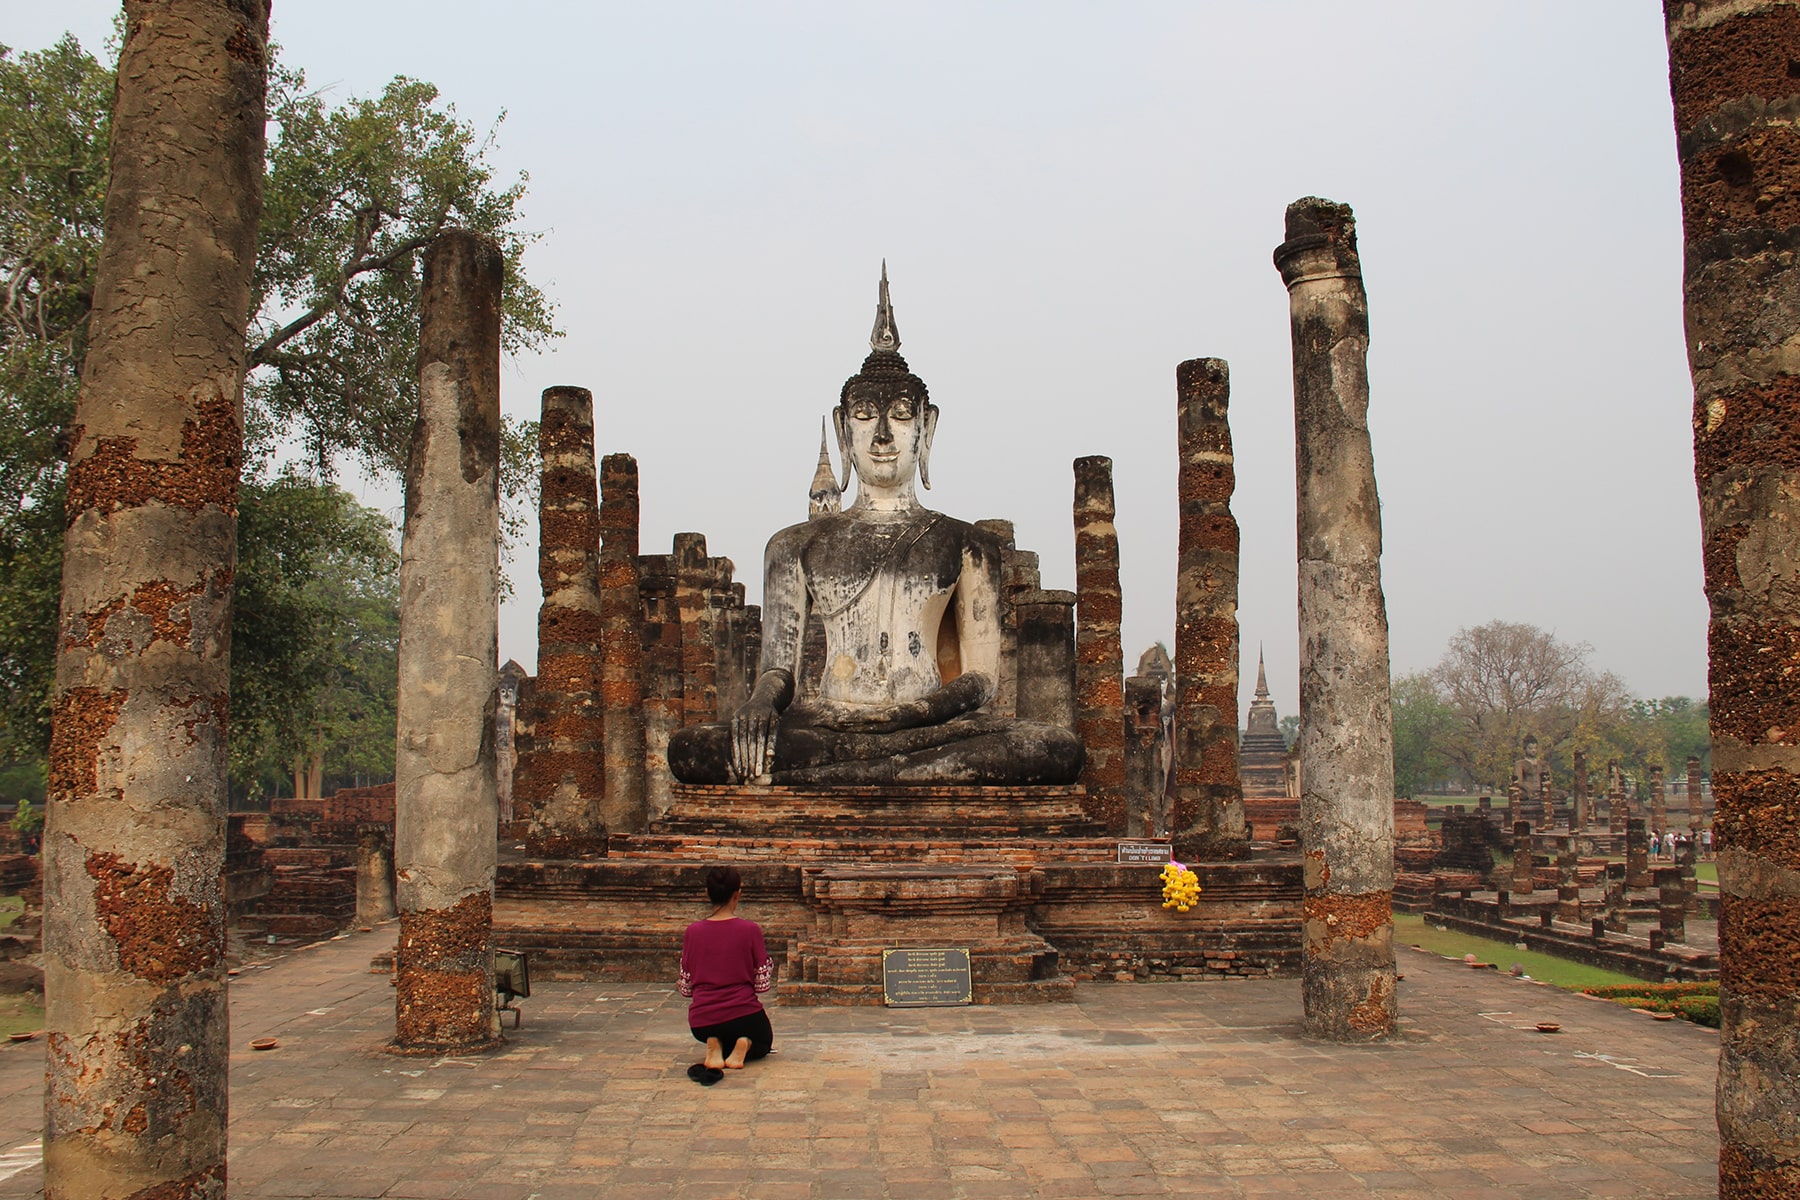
{"points": [[824, 496], [1262, 676], [885, 336]]}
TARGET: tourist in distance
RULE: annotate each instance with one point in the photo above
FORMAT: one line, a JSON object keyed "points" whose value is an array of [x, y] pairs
{"points": [[724, 967]]}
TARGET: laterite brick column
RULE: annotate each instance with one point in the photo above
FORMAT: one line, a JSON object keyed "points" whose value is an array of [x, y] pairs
{"points": [[1578, 794], [1736, 89], [1617, 811], [134, 851], [1346, 720], [662, 674], [1206, 813], [446, 810], [1695, 816], [625, 805], [559, 782], [699, 662], [1656, 808], [1099, 657]]}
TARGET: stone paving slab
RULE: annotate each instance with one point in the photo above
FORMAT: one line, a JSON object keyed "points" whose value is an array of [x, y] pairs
{"points": [[1200, 1090]]}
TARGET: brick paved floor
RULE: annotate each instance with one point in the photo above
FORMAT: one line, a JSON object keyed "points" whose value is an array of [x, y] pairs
{"points": [[1136, 1089]]}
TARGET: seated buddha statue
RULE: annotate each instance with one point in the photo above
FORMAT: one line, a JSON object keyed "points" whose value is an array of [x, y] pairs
{"points": [[910, 602]]}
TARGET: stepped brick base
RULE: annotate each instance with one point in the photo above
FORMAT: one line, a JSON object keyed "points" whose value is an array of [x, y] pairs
{"points": [[1019, 876]]}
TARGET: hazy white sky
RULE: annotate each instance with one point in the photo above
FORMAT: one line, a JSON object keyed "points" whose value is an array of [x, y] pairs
{"points": [[1073, 198]]}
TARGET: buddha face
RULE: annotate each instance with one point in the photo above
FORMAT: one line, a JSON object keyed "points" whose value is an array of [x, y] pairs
{"points": [[887, 434]]}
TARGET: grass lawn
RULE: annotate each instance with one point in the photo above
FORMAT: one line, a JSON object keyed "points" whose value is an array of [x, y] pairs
{"points": [[1410, 929], [10, 908], [17, 1014]]}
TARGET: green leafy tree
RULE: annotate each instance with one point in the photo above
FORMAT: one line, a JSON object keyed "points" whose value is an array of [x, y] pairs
{"points": [[314, 636], [352, 194], [1423, 728]]}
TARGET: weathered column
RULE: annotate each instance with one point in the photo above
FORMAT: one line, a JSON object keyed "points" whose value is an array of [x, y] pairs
{"points": [[1144, 776], [1657, 806], [1523, 861], [1047, 656], [1099, 657], [699, 663], [1616, 920], [1693, 793], [1637, 853], [562, 779], [1578, 794], [625, 804], [1736, 89], [1568, 881], [1019, 574], [662, 675], [374, 874], [134, 902], [1671, 905], [1617, 811], [1546, 800], [445, 808], [1206, 812], [1346, 720], [1515, 804]]}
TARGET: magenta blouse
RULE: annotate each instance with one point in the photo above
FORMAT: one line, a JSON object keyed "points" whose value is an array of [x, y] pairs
{"points": [[723, 967]]}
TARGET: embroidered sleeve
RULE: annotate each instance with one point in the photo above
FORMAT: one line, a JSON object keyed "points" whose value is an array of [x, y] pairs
{"points": [[685, 984], [765, 976]]}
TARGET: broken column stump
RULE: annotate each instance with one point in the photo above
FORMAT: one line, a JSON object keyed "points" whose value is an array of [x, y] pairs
{"points": [[135, 845], [1206, 812], [625, 804], [1346, 721], [446, 808], [1146, 779]]}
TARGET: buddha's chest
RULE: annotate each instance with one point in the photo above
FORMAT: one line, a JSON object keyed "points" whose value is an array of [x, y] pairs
{"points": [[887, 568]]}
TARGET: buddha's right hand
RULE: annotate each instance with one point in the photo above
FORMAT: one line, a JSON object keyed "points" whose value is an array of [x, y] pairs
{"points": [[753, 727]]}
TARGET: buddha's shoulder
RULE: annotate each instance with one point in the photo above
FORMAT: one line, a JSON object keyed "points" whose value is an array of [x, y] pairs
{"points": [[839, 524]]}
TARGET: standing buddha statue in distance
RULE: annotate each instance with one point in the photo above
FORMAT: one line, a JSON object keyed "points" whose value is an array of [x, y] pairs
{"points": [[910, 601]]}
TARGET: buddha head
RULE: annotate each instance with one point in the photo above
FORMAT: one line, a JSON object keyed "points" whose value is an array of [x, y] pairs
{"points": [[885, 419]]}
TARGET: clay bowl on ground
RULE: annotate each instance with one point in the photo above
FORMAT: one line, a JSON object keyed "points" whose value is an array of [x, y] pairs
{"points": [[263, 1043], [1656, 1016], [1548, 1027], [24, 1036]]}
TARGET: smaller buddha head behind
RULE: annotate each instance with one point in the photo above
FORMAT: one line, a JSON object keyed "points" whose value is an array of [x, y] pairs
{"points": [[885, 419]]}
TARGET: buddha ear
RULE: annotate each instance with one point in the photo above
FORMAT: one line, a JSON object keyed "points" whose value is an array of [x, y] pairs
{"points": [[843, 440], [925, 436]]}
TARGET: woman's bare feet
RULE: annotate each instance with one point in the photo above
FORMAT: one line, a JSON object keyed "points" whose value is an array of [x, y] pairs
{"points": [[715, 1054], [736, 1061]]}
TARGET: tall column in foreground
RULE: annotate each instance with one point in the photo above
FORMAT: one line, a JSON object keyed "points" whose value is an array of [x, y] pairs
{"points": [[625, 806], [1206, 815], [134, 905], [1346, 719], [1099, 657], [561, 778], [446, 810], [1735, 85]]}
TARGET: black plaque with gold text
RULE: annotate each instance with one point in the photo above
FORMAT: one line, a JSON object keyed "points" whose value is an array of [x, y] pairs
{"points": [[927, 977]]}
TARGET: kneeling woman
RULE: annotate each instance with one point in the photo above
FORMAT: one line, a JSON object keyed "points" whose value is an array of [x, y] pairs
{"points": [[724, 967]]}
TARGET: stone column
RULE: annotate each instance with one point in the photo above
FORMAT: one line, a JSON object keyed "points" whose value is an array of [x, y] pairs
{"points": [[1099, 658], [1206, 812], [1616, 920], [1144, 777], [562, 779], [1671, 904], [625, 805], [699, 664], [134, 852], [1047, 656], [1546, 800], [1515, 806], [1656, 807], [1637, 853], [1693, 794], [1346, 720], [374, 874], [662, 675], [1578, 795], [1568, 881], [1523, 860], [1617, 811], [445, 806]]}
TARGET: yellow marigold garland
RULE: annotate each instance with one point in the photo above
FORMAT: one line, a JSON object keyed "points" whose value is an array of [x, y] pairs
{"points": [[1181, 887]]}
